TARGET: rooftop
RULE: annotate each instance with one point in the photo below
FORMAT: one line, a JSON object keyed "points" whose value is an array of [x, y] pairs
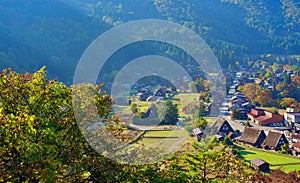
{"points": [[294, 113], [258, 162], [250, 135], [197, 131], [272, 139]]}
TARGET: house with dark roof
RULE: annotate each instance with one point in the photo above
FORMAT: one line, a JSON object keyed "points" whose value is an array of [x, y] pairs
{"points": [[252, 136], [248, 106], [274, 141], [243, 111], [239, 101], [161, 92], [142, 96], [265, 118], [219, 138], [144, 93], [260, 165], [222, 127]]}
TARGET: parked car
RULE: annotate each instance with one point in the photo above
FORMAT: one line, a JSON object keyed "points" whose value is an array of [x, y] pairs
{"points": [[243, 123]]}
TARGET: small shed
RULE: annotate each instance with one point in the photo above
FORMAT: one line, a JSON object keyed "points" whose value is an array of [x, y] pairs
{"points": [[198, 134], [260, 165], [219, 138]]}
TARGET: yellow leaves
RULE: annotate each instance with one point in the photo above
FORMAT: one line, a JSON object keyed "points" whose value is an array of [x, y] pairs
{"points": [[86, 174], [29, 120]]}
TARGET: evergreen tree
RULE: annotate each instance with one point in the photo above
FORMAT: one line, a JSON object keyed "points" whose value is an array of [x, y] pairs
{"points": [[171, 116]]}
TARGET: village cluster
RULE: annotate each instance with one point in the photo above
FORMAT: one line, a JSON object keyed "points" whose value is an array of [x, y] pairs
{"points": [[254, 126], [241, 120]]}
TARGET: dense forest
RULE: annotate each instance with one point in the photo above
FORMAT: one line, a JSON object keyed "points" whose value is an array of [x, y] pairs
{"points": [[55, 33]]}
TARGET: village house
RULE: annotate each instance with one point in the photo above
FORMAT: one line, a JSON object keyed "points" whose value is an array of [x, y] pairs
{"points": [[241, 103], [142, 96], [252, 136], [161, 92], [248, 106], [274, 141], [144, 93], [291, 117], [243, 111], [222, 127], [260, 165], [265, 118]]}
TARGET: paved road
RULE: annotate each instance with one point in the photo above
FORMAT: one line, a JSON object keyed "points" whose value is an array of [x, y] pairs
{"points": [[236, 125]]}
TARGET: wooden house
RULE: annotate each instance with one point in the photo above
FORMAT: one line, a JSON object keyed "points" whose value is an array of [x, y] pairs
{"points": [[198, 134], [265, 118], [260, 165], [252, 136], [222, 127], [274, 141]]}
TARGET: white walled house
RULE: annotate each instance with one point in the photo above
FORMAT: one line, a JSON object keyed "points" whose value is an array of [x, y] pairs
{"points": [[292, 117]]}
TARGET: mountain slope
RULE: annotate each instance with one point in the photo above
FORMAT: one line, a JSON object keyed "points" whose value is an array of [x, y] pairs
{"points": [[56, 32]]}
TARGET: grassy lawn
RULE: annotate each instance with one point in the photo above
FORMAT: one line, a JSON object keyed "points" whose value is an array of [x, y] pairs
{"points": [[149, 141], [158, 133], [276, 161], [164, 139], [188, 96], [162, 133]]}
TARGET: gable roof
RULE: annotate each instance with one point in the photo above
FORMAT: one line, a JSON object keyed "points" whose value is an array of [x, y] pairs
{"points": [[265, 120], [273, 139], [265, 117], [235, 107], [258, 162], [248, 104], [197, 131], [251, 135], [220, 123]]}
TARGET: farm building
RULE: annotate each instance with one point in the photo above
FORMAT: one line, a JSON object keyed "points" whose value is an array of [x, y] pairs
{"points": [[252, 136], [260, 165]]}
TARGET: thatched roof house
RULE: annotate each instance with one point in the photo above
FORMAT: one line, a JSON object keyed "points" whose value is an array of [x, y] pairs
{"points": [[274, 141], [252, 136]]}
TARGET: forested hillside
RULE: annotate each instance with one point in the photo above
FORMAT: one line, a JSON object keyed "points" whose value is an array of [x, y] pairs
{"points": [[55, 33]]}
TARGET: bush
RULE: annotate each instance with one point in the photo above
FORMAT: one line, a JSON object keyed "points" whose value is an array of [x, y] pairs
{"points": [[189, 129]]}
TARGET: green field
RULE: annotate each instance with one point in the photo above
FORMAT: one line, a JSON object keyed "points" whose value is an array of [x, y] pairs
{"points": [[165, 133], [158, 133], [277, 161], [164, 139]]}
